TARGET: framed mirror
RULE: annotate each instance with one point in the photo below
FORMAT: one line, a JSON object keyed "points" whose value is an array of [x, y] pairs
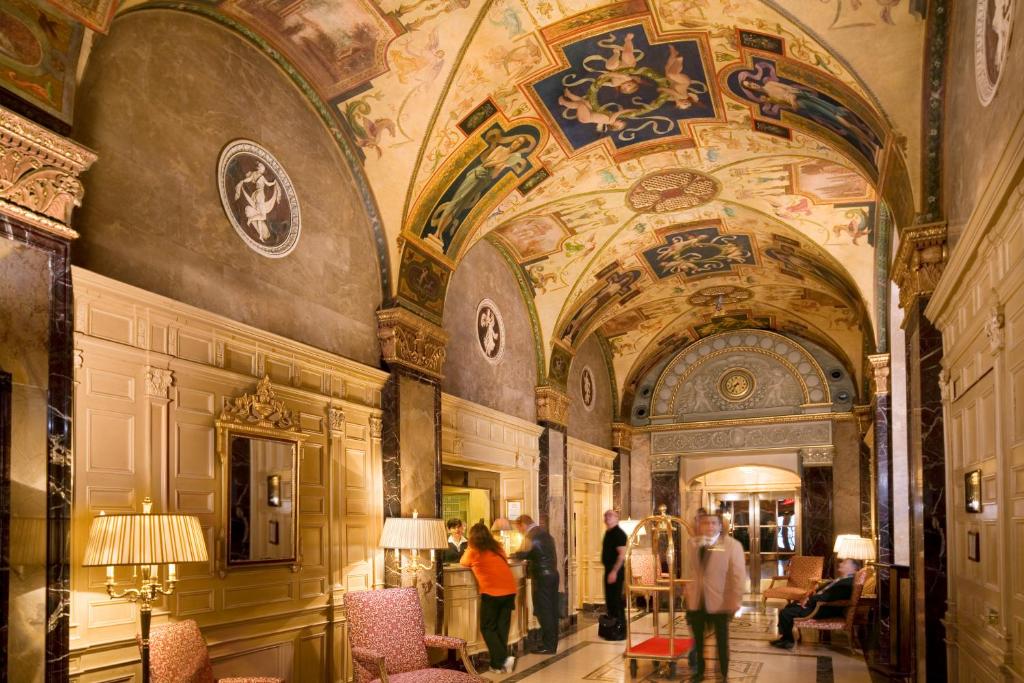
{"points": [[260, 449]]}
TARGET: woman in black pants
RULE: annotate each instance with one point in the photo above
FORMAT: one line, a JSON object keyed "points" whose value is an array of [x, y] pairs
{"points": [[497, 594]]}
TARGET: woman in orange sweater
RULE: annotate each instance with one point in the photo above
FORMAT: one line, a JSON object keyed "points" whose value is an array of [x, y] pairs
{"points": [[497, 594]]}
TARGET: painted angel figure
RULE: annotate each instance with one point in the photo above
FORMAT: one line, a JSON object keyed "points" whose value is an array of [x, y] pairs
{"points": [[489, 327], [258, 205], [680, 89], [584, 113]]}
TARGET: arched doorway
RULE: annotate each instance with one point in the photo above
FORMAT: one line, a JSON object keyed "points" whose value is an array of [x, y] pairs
{"points": [[760, 508]]}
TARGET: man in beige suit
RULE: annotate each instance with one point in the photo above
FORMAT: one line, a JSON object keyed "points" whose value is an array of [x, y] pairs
{"points": [[716, 592]]}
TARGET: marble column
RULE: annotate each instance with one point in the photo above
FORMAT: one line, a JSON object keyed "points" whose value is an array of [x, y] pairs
{"points": [[918, 265], [883, 496], [553, 482], [865, 420], [665, 483], [816, 514], [622, 441], [40, 191], [414, 351]]}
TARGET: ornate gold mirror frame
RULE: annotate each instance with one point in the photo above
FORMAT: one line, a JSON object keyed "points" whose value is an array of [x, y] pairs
{"points": [[262, 417]]}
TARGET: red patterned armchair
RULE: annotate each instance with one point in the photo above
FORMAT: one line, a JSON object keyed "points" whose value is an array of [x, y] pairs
{"points": [[801, 579], [843, 623], [388, 645], [177, 654], [643, 569]]}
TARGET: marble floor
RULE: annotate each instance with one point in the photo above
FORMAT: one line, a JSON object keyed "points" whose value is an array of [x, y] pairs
{"points": [[583, 656]]}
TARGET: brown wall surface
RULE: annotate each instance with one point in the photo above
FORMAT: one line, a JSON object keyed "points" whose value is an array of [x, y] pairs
{"points": [[163, 94], [595, 425], [508, 384], [976, 136]]}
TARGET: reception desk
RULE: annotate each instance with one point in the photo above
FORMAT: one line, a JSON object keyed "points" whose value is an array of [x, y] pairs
{"points": [[462, 606]]}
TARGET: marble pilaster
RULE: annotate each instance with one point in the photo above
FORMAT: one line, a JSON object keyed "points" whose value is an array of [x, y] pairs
{"points": [[883, 495], [816, 478], [622, 437], [665, 483], [553, 481]]}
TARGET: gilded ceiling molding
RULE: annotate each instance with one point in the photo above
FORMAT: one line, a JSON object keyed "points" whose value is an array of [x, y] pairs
{"points": [[552, 405], [39, 174], [622, 436], [919, 262], [409, 341], [880, 373], [746, 421]]}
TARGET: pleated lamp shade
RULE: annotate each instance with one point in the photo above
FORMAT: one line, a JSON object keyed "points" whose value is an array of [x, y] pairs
{"points": [[413, 533], [840, 539], [856, 548], [628, 525], [144, 539]]}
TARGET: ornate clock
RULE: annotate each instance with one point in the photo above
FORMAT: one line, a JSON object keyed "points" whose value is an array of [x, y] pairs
{"points": [[736, 384]]}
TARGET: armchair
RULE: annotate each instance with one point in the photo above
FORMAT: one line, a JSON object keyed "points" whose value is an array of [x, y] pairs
{"points": [[840, 623], [801, 577], [178, 654], [643, 569], [388, 645]]}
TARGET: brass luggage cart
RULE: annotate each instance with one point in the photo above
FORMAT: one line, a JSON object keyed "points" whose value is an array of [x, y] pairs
{"points": [[660, 574]]}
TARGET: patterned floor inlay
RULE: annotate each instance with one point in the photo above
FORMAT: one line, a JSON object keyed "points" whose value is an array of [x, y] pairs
{"points": [[741, 669]]}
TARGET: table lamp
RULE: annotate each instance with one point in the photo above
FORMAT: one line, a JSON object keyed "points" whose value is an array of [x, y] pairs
{"points": [[414, 533], [840, 539], [855, 548], [629, 525], [144, 541]]}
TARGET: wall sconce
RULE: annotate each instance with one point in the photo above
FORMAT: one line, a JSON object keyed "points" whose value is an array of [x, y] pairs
{"points": [[274, 490], [414, 533], [143, 542]]}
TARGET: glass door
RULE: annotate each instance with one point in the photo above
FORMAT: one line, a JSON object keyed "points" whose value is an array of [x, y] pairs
{"points": [[765, 524]]}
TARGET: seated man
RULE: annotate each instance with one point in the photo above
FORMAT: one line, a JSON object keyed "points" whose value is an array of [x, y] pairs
{"points": [[839, 589]]}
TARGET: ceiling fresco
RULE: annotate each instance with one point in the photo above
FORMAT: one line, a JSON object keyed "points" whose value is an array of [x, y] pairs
{"points": [[657, 170]]}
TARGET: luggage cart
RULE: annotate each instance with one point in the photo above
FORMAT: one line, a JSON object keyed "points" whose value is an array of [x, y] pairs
{"points": [[665, 532]]}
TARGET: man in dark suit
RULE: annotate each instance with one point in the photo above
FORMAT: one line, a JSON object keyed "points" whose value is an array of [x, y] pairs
{"points": [[539, 551], [839, 589]]}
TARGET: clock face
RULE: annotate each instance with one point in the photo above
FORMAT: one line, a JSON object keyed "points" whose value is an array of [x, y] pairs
{"points": [[736, 385]]}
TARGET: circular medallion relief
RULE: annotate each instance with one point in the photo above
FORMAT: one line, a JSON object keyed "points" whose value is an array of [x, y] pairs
{"points": [[993, 24], [587, 388], [258, 198], [736, 384], [672, 190], [490, 330]]}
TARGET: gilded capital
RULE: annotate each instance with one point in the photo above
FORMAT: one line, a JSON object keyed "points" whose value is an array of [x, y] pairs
{"points": [[376, 426], [865, 416], [919, 261], [665, 463], [552, 405], [408, 340], [880, 373], [622, 436], [39, 174], [817, 456]]}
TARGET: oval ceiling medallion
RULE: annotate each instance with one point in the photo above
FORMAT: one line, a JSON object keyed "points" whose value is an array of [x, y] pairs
{"points": [[672, 190], [490, 330], [719, 296], [993, 24], [258, 198]]}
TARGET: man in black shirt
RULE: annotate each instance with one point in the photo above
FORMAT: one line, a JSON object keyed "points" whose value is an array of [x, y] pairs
{"points": [[542, 565], [613, 555]]}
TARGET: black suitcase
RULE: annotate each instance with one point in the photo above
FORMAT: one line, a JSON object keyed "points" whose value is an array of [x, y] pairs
{"points": [[610, 628]]}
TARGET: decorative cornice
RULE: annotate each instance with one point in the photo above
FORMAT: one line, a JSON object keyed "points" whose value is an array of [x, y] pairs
{"points": [[622, 436], [920, 260], [260, 409], [817, 456], [880, 373], [744, 421], [552, 405], [408, 340], [158, 382], [39, 174]]}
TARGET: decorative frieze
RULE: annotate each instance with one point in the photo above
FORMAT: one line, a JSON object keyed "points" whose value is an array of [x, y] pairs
{"points": [[410, 341], [817, 456], [919, 261], [622, 436], [880, 373], [788, 435], [39, 174], [552, 405], [158, 382]]}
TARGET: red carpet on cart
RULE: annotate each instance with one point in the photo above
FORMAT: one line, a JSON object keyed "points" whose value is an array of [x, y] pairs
{"points": [[658, 647]]}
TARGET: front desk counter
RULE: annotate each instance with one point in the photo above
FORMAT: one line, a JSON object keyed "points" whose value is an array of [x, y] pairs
{"points": [[462, 607]]}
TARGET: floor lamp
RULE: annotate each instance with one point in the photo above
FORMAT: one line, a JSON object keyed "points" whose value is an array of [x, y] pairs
{"points": [[144, 541]]}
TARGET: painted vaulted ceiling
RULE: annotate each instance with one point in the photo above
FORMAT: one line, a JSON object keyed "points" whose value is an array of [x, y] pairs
{"points": [[653, 170]]}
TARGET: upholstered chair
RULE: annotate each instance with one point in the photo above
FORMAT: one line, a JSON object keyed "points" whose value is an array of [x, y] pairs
{"points": [[801, 579], [388, 645], [643, 569], [840, 623], [177, 654]]}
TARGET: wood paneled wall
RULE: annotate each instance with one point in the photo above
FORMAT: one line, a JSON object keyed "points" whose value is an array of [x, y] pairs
{"points": [[151, 376]]}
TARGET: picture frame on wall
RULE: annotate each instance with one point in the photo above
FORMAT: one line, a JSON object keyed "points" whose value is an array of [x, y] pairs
{"points": [[513, 509], [974, 546], [972, 491]]}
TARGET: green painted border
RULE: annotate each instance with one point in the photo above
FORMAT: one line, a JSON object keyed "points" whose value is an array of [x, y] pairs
{"points": [[352, 158], [527, 293]]}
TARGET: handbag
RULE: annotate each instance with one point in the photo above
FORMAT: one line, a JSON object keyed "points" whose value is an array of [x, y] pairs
{"points": [[610, 628]]}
